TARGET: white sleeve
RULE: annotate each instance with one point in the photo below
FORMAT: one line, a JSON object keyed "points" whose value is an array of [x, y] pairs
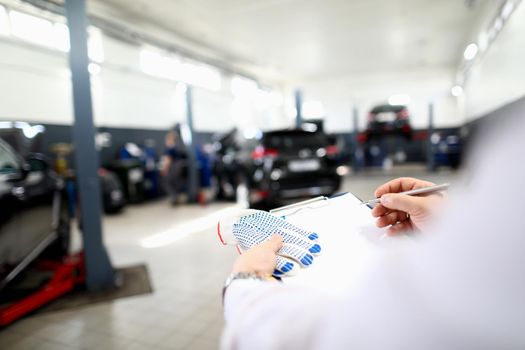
{"points": [[270, 315]]}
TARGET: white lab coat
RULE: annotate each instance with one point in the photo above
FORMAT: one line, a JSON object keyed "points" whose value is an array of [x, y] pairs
{"points": [[461, 285]]}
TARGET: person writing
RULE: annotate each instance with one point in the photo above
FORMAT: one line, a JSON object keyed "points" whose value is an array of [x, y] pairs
{"points": [[459, 284]]}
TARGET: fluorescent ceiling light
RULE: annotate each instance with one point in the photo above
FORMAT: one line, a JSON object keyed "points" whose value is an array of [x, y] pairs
{"points": [[171, 67], [31, 28], [159, 65], [200, 75], [249, 97], [95, 45], [243, 87], [491, 34], [470, 51], [4, 21], [268, 98], [507, 9], [498, 24], [313, 109], [61, 35], [276, 99], [456, 90], [483, 41], [34, 29], [399, 100], [94, 69]]}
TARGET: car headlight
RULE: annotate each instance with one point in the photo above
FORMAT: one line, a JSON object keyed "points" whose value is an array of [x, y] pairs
{"points": [[276, 174], [342, 170], [116, 195]]}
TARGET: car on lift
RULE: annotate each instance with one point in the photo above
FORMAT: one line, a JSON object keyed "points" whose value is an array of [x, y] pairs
{"points": [[388, 119], [387, 135], [34, 219]]}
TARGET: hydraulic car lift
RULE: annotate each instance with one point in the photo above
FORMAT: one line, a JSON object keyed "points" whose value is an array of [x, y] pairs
{"points": [[65, 275]]}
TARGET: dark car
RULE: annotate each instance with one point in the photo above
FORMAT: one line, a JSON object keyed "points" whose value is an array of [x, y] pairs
{"points": [[291, 164], [113, 198], [447, 149], [389, 120], [34, 219], [273, 167]]}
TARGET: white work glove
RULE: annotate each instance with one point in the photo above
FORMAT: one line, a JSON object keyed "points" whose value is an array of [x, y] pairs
{"points": [[250, 227]]}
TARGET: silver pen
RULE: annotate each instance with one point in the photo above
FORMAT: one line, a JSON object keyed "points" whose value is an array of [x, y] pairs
{"points": [[423, 190]]}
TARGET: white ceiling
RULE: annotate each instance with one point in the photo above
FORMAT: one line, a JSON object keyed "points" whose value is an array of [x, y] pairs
{"points": [[308, 40]]}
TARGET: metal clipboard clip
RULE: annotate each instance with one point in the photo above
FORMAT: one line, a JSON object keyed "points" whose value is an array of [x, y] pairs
{"points": [[292, 209]]}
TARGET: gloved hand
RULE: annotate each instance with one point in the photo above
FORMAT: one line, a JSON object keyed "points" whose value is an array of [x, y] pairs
{"points": [[250, 227]]}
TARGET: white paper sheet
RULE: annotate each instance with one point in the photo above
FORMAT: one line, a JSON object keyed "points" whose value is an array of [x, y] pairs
{"points": [[348, 238]]}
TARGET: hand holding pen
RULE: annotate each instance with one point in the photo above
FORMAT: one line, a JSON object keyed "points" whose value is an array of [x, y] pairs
{"points": [[400, 210]]}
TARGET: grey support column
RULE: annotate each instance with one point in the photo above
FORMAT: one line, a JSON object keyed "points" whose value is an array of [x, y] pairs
{"points": [[193, 175], [355, 140], [298, 108], [430, 150], [99, 272]]}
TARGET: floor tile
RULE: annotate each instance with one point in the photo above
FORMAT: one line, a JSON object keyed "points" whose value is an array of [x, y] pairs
{"points": [[177, 341], [203, 344]]}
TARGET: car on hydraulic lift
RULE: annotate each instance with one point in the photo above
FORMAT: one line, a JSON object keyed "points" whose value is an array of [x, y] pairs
{"points": [[34, 219], [384, 120]]}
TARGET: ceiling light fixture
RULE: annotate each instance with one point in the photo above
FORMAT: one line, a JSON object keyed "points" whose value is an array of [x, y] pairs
{"points": [[399, 100], [94, 69], [313, 109], [498, 24], [483, 41], [4, 21], [470, 51], [507, 9], [456, 90]]}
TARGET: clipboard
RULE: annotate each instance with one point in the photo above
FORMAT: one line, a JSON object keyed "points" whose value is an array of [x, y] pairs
{"points": [[316, 202], [348, 237]]}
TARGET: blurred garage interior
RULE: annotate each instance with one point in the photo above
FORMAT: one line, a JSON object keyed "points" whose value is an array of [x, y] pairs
{"points": [[117, 162]]}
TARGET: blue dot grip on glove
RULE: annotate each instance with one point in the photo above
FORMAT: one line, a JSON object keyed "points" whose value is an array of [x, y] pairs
{"points": [[251, 227]]}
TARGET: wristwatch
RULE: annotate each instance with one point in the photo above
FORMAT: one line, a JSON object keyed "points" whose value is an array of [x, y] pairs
{"points": [[244, 276]]}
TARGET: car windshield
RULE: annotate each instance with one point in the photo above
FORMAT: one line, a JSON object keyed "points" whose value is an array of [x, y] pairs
{"points": [[8, 160], [387, 109], [294, 140], [386, 113]]}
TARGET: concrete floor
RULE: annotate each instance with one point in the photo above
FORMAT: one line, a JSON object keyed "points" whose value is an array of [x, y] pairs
{"points": [[187, 266]]}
